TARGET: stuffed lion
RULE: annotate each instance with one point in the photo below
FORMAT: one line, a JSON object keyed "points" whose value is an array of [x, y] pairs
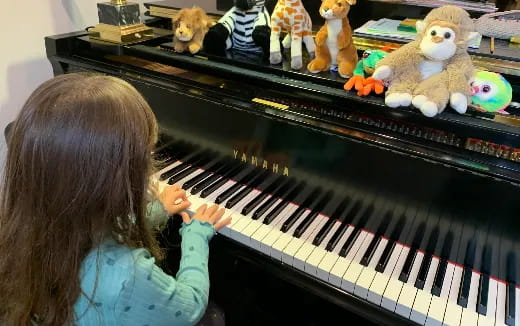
{"points": [[190, 25]]}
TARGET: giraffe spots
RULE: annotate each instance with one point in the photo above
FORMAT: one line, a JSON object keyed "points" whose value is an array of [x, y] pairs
{"points": [[298, 17], [290, 11], [287, 20], [307, 33], [276, 29], [279, 14]]}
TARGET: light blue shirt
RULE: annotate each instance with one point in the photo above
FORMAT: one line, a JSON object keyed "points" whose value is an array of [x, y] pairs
{"points": [[131, 290]]}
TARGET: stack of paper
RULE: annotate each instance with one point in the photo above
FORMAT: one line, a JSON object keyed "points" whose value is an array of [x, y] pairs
{"points": [[388, 28]]}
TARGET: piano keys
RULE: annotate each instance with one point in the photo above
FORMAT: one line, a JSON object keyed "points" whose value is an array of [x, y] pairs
{"points": [[370, 264]]}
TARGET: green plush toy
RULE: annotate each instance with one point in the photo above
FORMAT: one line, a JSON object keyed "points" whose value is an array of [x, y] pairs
{"points": [[364, 68]]}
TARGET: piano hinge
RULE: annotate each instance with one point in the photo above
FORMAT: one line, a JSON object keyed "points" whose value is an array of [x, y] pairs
{"points": [[270, 103]]}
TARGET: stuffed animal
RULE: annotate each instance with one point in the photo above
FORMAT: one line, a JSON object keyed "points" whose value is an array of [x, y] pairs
{"points": [[334, 45], [291, 16], [490, 92], [244, 27], [364, 68], [433, 69], [190, 25]]}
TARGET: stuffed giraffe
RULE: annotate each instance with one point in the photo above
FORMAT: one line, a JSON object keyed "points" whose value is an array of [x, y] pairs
{"points": [[291, 16]]}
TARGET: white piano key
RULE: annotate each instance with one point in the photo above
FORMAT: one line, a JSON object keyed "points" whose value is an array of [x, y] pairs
{"points": [[305, 251], [261, 233], [469, 314], [157, 174], [236, 217], [489, 318], [500, 317], [352, 274], [517, 306], [295, 244], [237, 230], [330, 258], [378, 286], [285, 238], [409, 291], [415, 267], [252, 227], [341, 266], [423, 297], [189, 176], [394, 286], [453, 313], [438, 303], [272, 237], [368, 273], [314, 259]]}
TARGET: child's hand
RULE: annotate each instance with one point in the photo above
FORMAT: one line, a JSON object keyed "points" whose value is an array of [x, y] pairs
{"points": [[174, 200], [212, 215]]}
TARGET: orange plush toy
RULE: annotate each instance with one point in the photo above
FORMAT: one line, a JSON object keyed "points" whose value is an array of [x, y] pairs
{"points": [[334, 46], [190, 25]]}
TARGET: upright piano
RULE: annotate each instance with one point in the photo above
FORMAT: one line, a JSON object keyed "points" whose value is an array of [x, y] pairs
{"points": [[344, 210]]}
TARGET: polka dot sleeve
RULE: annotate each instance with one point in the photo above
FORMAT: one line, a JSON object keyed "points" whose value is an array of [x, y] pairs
{"points": [[152, 297]]}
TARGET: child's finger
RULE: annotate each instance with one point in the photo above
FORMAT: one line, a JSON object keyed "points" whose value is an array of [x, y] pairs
{"points": [[217, 216], [210, 212], [222, 223], [185, 217], [201, 209], [182, 206]]}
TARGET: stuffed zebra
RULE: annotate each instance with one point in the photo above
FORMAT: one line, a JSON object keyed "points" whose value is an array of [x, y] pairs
{"points": [[244, 27]]}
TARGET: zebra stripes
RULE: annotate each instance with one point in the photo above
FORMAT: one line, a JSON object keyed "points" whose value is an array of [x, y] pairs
{"points": [[241, 24]]}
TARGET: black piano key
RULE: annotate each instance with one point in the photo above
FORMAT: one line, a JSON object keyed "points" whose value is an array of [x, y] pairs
{"points": [[300, 210], [182, 174], [216, 180], [483, 291], [300, 229], [385, 256], [214, 168], [439, 277], [350, 241], [344, 226], [220, 181], [263, 195], [184, 165], [367, 257], [250, 185], [462, 299], [330, 223], [423, 271], [281, 206], [280, 192], [233, 189], [510, 305], [407, 267], [354, 235]]}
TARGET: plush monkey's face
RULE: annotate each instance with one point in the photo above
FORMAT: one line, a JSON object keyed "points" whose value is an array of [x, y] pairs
{"points": [[439, 41]]}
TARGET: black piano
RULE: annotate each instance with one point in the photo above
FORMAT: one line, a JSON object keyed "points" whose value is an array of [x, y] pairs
{"points": [[344, 210]]}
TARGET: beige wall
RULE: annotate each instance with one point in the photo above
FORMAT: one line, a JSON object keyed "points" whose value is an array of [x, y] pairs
{"points": [[23, 64]]}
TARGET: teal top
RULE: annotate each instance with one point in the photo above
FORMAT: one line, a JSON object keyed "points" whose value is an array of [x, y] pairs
{"points": [[126, 287]]}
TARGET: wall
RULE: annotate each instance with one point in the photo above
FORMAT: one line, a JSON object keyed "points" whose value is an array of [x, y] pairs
{"points": [[23, 64]]}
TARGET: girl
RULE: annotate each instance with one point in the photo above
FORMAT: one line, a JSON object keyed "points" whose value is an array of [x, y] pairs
{"points": [[75, 240]]}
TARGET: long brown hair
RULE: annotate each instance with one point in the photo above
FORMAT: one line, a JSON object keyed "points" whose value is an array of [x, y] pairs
{"points": [[76, 173]]}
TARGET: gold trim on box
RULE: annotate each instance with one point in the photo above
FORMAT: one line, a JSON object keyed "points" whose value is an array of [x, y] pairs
{"points": [[121, 34]]}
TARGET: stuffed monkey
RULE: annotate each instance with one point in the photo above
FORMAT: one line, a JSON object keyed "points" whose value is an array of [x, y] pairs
{"points": [[244, 27], [435, 68]]}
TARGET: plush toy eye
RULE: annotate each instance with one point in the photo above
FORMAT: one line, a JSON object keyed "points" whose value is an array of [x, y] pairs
{"points": [[447, 35], [486, 88], [339, 4], [366, 55], [433, 33], [471, 84]]}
